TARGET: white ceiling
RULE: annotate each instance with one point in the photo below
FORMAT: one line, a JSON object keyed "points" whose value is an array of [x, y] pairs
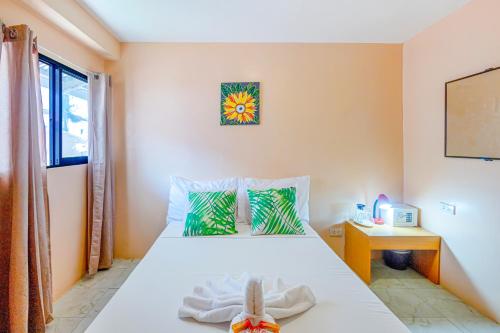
{"points": [[387, 21]]}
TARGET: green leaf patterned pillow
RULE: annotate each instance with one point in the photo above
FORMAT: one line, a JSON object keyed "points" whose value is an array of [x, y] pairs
{"points": [[273, 212], [211, 213]]}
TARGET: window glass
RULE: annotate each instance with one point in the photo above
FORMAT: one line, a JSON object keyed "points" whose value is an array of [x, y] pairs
{"points": [[65, 113], [45, 87], [74, 121]]}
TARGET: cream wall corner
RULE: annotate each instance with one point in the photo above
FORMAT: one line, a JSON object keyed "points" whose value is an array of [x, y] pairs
{"points": [[332, 111], [67, 185], [466, 42], [67, 188]]}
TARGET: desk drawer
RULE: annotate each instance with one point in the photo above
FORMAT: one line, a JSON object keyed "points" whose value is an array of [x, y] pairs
{"points": [[405, 243]]}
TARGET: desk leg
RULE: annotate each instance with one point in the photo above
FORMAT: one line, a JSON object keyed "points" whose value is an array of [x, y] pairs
{"points": [[426, 262], [358, 253]]}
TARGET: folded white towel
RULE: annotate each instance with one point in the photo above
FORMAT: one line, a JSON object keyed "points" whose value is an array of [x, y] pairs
{"points": [[218, 302], [253, 308]]}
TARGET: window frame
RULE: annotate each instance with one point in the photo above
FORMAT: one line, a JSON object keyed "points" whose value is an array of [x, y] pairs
{"points": [[56, 69]]}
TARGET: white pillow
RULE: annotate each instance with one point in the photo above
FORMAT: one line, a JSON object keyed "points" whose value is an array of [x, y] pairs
{"points": [[301, 185], [178, 205]]}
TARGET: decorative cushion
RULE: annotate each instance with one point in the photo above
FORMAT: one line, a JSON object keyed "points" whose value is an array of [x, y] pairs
{"points": [[273, 212], [211, 213], [301, 185], [180, 187]]}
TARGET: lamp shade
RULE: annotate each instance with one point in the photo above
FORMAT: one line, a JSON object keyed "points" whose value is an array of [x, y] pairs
{"points": [[381, 201]]}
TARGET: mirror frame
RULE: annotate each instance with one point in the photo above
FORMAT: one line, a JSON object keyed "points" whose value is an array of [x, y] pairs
{"points": [[485, 158]]}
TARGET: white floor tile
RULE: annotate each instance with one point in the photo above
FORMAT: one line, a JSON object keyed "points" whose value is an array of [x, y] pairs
{"points": [[63, 325], [111, 278], [424, 306], [476, 325], [417, 283], [430, 325], [405, 303], [453, 308], [78, 302], [83, 325], [76, 310], [125, 263]]}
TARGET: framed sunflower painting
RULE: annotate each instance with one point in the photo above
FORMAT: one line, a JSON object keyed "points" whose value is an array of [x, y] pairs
{"points": [[240, 103]]}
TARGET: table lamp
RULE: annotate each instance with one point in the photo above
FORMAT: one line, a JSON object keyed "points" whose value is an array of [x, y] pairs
{"points": [[382, 201]]}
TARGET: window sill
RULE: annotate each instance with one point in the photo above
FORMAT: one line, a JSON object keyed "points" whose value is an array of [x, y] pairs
{"points": [[66, 165]]}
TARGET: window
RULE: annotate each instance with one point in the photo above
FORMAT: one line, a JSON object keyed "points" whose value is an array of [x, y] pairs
{"points": [[65, 113]]}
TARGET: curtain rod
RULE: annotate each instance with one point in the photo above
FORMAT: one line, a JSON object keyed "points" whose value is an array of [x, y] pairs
{"points": [[62, 60], [54, 55]]}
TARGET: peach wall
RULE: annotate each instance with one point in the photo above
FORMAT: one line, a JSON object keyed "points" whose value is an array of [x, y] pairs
{"points": [[67, 185], [68, 225], [332, 111], [466, 42], [77, 23], [51, 40]]}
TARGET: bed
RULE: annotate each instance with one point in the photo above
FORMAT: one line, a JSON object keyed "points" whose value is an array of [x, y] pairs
{"points": [[149, 299]]}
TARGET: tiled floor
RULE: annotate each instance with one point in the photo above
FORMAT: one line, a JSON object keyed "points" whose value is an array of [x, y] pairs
{"points": [[421, 305], [74, 312]]}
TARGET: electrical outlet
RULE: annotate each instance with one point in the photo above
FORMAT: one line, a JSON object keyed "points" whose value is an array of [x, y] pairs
{"points": [[448, 208], [336, 230]]}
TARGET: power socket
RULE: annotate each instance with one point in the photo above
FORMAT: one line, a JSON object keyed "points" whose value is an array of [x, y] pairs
{"points": [[336, 230], [448, 208]]}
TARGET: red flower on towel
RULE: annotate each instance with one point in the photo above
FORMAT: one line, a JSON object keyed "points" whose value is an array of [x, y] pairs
{"points": [[247, 325]]}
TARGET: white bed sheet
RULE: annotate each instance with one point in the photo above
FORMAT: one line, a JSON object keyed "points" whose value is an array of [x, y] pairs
{"points": [[149, 299], [175, 230]]}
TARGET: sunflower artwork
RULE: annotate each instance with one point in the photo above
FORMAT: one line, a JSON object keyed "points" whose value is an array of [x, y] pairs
{"points": [[240, 103]]}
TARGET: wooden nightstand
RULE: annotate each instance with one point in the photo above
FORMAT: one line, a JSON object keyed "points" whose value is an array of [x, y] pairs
{"points": [[360, 241]]}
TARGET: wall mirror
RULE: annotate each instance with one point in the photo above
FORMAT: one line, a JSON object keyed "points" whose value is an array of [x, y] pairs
{"points": [[472, 117]]}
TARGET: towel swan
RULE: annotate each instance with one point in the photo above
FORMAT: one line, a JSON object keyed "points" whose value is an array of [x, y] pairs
{"points": [[253, 319], [219, 301]]}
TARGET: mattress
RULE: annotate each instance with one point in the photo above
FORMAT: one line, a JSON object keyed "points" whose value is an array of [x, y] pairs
{"points": [[175, 230], [149, 299]]}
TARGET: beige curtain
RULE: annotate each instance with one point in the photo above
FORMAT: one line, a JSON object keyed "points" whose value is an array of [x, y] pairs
{"points": [[1, 37], [100, 175], [25, 271]]}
